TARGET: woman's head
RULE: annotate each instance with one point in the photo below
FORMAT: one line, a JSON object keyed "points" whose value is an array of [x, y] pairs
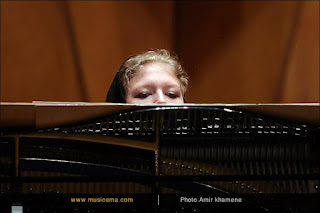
{"points": [[153, 77]]}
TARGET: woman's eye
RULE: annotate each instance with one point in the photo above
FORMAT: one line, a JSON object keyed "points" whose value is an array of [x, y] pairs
{"points": [[172, 95], [142, 95]]}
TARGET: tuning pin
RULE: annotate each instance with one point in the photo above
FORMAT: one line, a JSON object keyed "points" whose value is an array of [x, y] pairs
{"points": [[242, 185]]}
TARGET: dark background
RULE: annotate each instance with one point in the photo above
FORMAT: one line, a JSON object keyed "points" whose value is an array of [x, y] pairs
{"points": [[234, 51]]}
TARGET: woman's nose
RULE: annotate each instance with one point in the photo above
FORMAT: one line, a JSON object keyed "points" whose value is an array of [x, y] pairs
{"points": [[160, 98]]}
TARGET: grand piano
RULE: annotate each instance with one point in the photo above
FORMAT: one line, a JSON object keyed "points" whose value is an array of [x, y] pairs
{"points": [[166, 158]]}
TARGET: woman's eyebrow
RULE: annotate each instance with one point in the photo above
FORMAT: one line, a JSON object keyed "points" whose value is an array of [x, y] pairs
{"points": [[151, 86], [144, 86]]}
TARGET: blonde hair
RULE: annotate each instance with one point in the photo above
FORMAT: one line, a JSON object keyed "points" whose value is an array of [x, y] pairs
{"points": [[135, 62]]}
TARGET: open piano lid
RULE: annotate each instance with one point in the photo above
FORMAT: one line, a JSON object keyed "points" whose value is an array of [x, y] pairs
{"points": [[287, 151], [40, 114]]}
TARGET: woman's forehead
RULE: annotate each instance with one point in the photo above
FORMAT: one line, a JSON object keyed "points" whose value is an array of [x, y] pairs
{"points": [[156, 70], [155, 73]]}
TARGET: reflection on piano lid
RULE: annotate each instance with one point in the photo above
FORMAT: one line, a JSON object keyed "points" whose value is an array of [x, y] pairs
{"points": [[237, 149], [51, 114]]}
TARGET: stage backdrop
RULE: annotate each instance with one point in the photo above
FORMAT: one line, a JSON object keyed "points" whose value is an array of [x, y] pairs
{"points": [[234, 51]]}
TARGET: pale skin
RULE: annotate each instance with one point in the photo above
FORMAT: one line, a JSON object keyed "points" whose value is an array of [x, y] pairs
{"points": [[155, 82]]}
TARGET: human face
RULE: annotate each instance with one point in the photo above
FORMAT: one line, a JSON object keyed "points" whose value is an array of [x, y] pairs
{"points": [[154, 82]]}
